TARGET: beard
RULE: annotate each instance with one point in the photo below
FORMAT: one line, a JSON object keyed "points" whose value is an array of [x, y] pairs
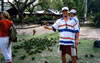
{"points": [[65, 16]]}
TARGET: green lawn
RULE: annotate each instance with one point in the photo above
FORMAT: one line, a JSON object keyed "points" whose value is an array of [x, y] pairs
{"points": [[86, 52]]}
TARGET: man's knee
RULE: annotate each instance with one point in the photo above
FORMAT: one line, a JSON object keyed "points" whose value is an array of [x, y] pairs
{"points": [[63, 54]]}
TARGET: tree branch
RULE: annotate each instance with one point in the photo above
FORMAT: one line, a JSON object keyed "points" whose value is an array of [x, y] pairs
{"points": [[31, 2], [11, 4]]}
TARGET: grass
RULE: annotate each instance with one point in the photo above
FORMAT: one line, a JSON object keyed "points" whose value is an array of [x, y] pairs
{"points": [[86, 52]]}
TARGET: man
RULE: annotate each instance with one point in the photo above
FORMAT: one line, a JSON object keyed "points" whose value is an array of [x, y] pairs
{"points": [[73, 14], [67, 28]]}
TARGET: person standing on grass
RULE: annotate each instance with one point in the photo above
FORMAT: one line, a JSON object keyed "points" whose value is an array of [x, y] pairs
{"points": [[5, 24], [73, 15], [68, 28]]}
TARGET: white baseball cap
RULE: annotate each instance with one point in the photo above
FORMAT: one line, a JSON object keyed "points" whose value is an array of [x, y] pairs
{"points": [[65, 8], [73, 11]]}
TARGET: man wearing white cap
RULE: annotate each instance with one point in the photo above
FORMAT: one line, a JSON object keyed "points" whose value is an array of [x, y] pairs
{"points": [[73, 14], [67, 28]]}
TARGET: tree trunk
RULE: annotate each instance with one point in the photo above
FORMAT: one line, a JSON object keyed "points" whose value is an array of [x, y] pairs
{"points": [[20, 16], [2, 6], [85, 14]]}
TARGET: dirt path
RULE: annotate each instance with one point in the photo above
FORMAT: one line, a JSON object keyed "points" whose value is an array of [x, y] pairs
{"points": [[90, 33], [85, 32], [39, 30]]}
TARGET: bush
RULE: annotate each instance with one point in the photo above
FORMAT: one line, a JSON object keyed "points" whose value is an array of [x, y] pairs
{"points": [[34, 46], [97, 20], [32, 19], [16, 21], [46, 18]]}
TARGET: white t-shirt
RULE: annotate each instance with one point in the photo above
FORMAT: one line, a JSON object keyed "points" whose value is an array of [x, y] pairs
{"points": [[66, 30]]}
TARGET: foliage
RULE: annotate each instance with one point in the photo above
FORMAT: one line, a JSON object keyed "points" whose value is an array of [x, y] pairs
{"points": [[77, 4], [93, 6], [32, 19], [97, 19], [27, 20], [16, 21], [33, 46], [56, 4], [45, 4], [46, 18]]}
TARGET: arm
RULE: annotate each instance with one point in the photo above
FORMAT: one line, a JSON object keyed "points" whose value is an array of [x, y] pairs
{"points": [[54, 27], [76, 38], [47, 27]]}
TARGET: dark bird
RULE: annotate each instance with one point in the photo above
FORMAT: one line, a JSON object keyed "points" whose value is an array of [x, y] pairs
{"points": [[34, 31]]}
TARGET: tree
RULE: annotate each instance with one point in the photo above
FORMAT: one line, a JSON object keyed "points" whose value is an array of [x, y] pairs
{"points": [[45, 4], [77, 4], [32, 6], [93, 6], [65, 2], [2, 5], [85, 14], [21, 5], [56, 4]]}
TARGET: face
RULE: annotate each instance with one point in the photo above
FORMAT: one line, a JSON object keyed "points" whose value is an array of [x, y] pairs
{"points": [[1, 16], [65, 13], [71, 14]]}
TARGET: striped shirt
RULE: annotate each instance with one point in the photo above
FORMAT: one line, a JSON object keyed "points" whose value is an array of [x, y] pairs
{"points": [[66, 30]]}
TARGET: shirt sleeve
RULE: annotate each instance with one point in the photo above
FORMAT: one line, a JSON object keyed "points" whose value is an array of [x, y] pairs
{"points": [[76, 26], [55, 26]]}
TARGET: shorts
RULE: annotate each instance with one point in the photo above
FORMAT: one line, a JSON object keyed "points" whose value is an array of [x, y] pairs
{"points": [[66, 49], [5, 50]]}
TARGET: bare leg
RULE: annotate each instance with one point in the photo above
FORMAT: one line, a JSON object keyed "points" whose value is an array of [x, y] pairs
{"points": [[73, 59], [63, 58]]}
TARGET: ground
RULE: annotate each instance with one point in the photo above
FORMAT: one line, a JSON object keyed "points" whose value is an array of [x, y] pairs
{"points": [[85, 32]]}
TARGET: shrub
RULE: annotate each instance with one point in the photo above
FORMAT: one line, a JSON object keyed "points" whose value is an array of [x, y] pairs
{"points": [[34, 46], [16, 21], [33, 19], [46, 18], [97, 20]]}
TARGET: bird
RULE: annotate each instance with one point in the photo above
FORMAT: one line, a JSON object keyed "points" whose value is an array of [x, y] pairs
{"points": [[34, 31]]}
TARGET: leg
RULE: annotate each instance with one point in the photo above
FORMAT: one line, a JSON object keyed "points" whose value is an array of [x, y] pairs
{"points": [[5, 50], [73, 59], [63, 58], [63, 53]]}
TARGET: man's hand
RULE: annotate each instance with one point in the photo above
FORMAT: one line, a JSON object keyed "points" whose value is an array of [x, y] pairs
{"points": [[47, 27], [76, 39], [76, 43]]}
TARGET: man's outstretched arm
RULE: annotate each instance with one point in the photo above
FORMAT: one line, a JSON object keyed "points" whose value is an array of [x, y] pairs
{"points": [[47, 27]]}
